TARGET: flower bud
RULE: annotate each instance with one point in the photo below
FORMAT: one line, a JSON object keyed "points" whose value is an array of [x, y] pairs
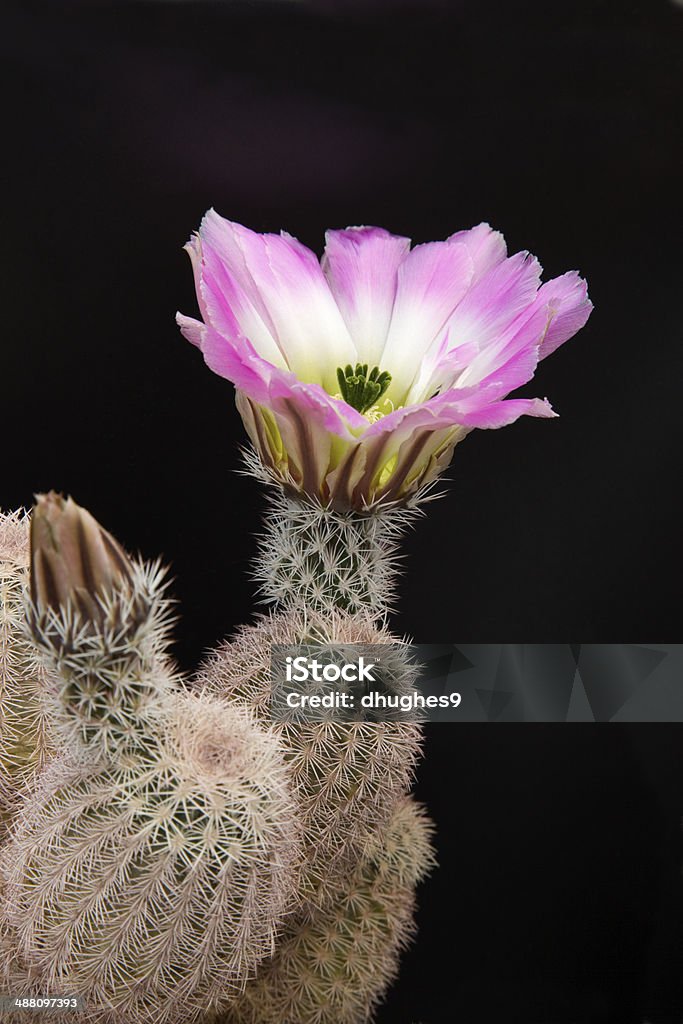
{"points": [[73, 559]]}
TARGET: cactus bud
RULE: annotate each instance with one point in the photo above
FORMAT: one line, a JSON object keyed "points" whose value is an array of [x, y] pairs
{"points": [[73, 559], [100, 623]]}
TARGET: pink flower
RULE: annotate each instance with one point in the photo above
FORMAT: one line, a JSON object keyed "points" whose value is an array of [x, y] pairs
{"points": [[357, 375]]}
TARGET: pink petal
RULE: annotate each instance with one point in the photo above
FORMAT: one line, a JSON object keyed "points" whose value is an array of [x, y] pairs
{"points": [[568, 302], [465, 407], [231, 303], [237, 360], [432, 280], [500, 414], [440, 368], [190, 329], [511, 373], [486, 247], [361, 266], [523, 335], [281, 280], [495, 301]]}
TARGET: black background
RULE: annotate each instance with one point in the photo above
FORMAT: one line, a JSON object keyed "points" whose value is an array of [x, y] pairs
{"points": [[558, 898]]}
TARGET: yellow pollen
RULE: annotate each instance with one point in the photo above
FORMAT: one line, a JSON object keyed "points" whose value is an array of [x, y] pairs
{"points": [[374, 413]]}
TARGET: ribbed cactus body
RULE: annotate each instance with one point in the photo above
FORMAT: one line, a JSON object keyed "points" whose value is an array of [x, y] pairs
{"points": [[348, 774], [318, 558], [24, 742], [154, 885], [334, 964]]}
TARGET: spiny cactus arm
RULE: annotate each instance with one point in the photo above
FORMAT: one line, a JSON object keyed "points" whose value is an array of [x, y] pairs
{"points": [[348, 775], [334, 964], [24, 740], [100, 621], [154, 883]]}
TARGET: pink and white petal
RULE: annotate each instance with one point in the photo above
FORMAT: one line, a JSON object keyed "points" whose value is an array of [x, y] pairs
{"points": [[442, 411], [432, 280], [193, 248], [516, 370], [410, 417], [316, 404], [290, 293], [190, 329], [440, 369], [500, 414], [495, 301], [486, 247], [226, 240], [238, 361], [513, 371], [416, 437], [457, 406], [524, 334], [233, 309], [361, 266], [570, 307]]}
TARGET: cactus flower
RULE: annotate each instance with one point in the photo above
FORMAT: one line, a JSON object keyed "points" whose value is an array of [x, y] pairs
{"points": [[357, 375]]}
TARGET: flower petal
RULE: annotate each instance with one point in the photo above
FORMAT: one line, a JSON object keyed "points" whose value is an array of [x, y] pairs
{"points": [[282, 280], [567, 299], [459, 406], [432, 280], [190, 329], [500, 414], [440, 369], [237, 360], [361, 266], [486, 247], [495, 301], [520, 339], [231, 303]]}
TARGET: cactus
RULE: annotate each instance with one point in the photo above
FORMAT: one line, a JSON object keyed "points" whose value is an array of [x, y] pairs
{"points": [[333, 965], [152, 866], [348, 774], [24, 741], [182, 857]]}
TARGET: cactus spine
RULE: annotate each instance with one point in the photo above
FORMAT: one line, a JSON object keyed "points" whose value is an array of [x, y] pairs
{"points": [[24, 743]]}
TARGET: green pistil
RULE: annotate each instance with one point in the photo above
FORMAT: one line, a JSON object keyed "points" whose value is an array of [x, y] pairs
{"points": [[360, 388]]}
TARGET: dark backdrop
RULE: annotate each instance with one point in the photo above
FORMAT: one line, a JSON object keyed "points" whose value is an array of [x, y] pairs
{"points": [[558, 897]]}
